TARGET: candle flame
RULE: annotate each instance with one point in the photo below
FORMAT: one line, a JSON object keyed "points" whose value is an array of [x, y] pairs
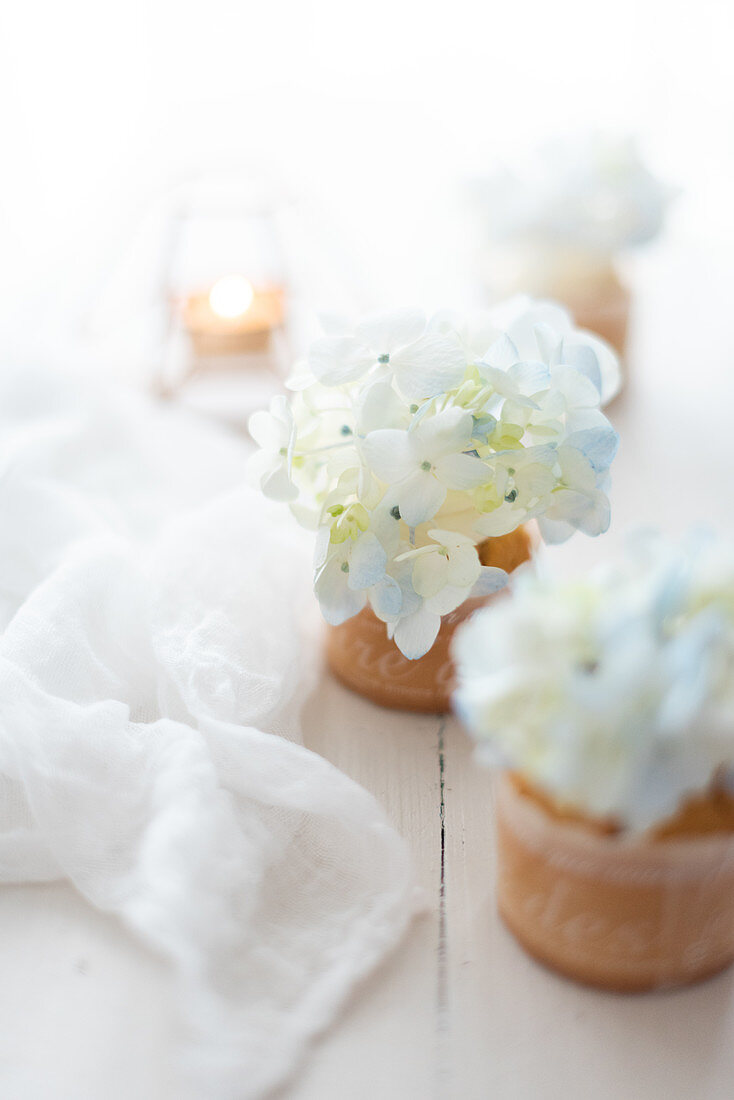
{"points": [[231, 296]]}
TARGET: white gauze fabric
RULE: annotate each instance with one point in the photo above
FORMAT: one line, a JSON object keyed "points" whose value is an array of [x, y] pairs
{"points": [[154, 648]]}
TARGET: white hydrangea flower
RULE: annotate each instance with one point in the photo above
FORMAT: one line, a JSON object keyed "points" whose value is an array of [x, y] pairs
{"points": [[407, 442], [613, 693]]}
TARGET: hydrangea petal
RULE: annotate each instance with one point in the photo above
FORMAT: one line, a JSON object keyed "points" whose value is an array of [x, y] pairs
{"points": [[490, 580], [502, 354], [389, 454], [268, 431], [270, 471], [554, 531], [610, 371], [575, 386], [367, 562], [447, 600], [530, 377], [522, 329], [380, 408], [421, 496], [463, 566], [321, 547], [335, 360], [500, 522], [453, 538], [460, 471], [580, 354], [598, 445], [430, 573], [277, 485], [415, 634], [386, 599], [534, 480], [337, 601], [446, 433], [431, 365], [597, 517]]}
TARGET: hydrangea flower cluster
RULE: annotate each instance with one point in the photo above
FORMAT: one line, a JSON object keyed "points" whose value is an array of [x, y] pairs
{"points": [[614, 694], [407, 442], [592, 192]]}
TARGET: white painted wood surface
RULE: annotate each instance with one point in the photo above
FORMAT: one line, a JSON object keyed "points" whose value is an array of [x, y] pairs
{"points": [[458, 1012]]}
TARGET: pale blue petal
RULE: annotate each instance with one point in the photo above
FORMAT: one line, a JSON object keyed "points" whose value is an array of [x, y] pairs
{"points": [[583, 358], [490, 580], [386, 599], [554, 531], [598, 445], [483, 427], [610, 372], [579, 420], [367, 562], [596, 520], [338, 602]]}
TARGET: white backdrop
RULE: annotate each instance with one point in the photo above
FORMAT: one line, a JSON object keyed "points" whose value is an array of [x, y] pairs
{"points": [[370, 114]]}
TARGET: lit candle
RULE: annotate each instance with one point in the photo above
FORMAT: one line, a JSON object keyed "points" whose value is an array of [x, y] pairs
{"points": [[231, 297], [233, 317]]}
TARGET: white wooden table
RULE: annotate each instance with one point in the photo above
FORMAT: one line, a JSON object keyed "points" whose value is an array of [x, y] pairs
{"points": [[458, 1012]]}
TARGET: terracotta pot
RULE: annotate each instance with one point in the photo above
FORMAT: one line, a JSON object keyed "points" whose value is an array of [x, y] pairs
{"points": [[625, 914], [361, 655]]}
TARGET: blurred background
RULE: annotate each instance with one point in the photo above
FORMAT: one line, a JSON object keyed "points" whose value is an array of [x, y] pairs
{"points": [[321, 149]]}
